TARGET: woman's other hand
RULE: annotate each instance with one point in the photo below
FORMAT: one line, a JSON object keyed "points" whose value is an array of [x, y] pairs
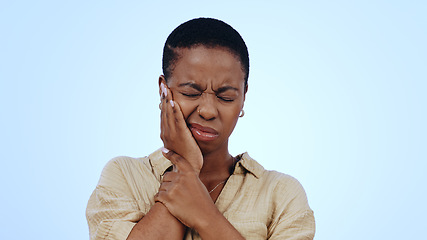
{"points": [[174, 131], [184, 195]]}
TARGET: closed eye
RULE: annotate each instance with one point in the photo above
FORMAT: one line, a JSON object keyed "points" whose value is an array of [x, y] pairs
{"points": [[226, 99], [196, 95], [192, 95]]}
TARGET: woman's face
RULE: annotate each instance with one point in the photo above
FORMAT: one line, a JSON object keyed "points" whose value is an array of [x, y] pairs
{"points": [[209, 86]]}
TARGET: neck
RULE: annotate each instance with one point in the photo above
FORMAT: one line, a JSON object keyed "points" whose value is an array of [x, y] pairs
{"points": [[216, 163]]}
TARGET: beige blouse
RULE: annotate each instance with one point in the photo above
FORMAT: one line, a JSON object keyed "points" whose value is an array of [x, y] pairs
{"points": [[260, 204]]}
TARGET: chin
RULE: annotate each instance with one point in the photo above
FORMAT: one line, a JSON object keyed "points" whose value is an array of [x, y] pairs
{"points": [[209, 147]]}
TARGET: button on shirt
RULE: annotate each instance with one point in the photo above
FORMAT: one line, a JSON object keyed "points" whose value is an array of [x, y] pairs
{"points": [[260, 204]]}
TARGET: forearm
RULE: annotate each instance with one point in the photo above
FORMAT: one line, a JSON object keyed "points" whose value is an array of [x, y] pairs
{"points": [[216, 226], [158, 223]]}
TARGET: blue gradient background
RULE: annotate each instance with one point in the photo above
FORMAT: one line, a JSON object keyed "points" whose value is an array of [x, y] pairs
{"points": [[337, 99]]}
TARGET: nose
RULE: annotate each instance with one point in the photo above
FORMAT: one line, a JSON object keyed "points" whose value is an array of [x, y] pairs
{"points": [[207, 108]]}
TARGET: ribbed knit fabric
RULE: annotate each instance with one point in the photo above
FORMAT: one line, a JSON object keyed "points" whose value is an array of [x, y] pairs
{"points": [[260, 204]]}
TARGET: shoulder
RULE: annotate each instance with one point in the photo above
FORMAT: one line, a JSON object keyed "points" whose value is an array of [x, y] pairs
{"points": [[119, 171], [280, 181], [286, 192], [123, 162], [283, 183], [291, 215], [154, 164], [123, 165], [283, 190], [128, 171]]}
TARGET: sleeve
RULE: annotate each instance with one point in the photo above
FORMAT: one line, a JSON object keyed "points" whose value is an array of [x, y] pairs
{"points": [[110, 215], [121, 198], [294, 220]]}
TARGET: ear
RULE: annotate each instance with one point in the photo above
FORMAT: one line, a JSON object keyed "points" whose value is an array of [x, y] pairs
{"points": [[244, 97], [162, 79]]}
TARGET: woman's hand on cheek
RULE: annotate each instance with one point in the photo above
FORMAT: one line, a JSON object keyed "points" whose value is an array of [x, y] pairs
{"points": [[174, 131], [183, 194]]}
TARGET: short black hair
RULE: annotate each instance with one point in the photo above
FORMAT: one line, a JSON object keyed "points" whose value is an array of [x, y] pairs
{"points": [[206, 32]]}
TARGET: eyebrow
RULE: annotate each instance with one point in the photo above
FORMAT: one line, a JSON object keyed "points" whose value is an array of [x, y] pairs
{"points": [[199, 88], [226, 88], [192, 85]]}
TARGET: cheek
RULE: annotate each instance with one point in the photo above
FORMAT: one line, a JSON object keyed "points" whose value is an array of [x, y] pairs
{"points": [[187, 107], [232, 115]]}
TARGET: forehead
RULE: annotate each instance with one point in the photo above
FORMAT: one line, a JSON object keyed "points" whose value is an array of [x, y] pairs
{"points": [[207, 65]]}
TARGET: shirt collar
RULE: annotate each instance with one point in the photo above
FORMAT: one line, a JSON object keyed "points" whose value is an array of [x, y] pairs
{"points": [[249, 164], [159, 163], [245, 164]]}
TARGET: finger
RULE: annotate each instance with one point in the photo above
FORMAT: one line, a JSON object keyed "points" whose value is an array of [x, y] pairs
{"points": [[169, 176], [165, 186], [166, 92], [163, 90], [169, 128], [174, 117], [181, 163], [171, 113], [177, 113], [179, 119], [177, 125], [169, 94], [166, 128], [156, 196], [160, 197], [163, 197], [163, 124], [171, 106]]}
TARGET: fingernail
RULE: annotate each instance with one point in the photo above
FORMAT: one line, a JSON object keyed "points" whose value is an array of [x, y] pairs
{"points": [[164, 91], [165, 150], [172, 104]]}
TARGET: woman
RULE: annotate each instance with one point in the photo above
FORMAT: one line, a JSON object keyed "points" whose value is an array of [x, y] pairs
{"points": [[193, 188]]}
